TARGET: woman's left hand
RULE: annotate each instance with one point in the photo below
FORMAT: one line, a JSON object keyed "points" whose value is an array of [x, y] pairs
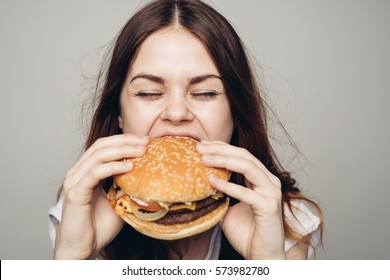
{"points": [[254, 226]]}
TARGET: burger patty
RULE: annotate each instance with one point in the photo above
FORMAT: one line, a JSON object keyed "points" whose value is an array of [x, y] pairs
{"points": [[184, 215]]}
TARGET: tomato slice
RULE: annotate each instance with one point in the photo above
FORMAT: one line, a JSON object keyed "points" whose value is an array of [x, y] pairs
{"points": [[151, 206]]}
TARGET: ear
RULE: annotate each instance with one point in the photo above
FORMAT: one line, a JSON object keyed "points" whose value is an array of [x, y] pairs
{"points": [[120, 123]]}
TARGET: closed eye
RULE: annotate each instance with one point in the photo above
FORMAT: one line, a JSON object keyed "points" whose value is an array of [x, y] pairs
{"points": [[205, 94], [148, 95]]}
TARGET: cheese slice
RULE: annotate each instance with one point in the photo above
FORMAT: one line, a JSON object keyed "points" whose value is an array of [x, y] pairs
{"points": [[191, 206], [124, 205]]}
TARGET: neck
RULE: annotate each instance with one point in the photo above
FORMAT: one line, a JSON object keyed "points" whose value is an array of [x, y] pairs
{"points": [[190, 248]]}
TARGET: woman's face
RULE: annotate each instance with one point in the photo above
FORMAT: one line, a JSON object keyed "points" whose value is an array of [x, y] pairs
{"points": [[174, 88]]}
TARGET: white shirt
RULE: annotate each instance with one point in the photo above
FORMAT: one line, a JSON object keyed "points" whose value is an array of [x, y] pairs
{"points": [[307, 224]]}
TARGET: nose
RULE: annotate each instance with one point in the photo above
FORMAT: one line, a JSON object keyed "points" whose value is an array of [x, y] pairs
{"points": [[177, 109]]}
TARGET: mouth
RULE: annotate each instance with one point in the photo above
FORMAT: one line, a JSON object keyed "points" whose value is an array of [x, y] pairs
{"points": [[181, 134]]}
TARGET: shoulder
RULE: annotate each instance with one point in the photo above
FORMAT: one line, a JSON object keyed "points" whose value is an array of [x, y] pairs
{"points": [[301, 216], [305, 221]]}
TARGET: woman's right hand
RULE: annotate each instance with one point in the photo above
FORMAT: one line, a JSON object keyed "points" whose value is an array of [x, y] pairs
{"points": [[88, 221]]}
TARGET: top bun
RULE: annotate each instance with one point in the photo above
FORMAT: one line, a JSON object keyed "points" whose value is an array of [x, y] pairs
{"points": [[170, 171]]}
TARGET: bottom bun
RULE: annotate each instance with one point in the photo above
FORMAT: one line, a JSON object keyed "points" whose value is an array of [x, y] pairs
{"points": [[177, 231]]}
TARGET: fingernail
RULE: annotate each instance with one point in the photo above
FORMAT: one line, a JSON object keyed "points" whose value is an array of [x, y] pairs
{"points": [[206, 158], [143, 137], [200, 144], [215, 180], [127, 163]]}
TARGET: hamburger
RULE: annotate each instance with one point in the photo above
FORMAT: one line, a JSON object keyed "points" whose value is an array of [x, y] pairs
{"points": [[167, 194]]}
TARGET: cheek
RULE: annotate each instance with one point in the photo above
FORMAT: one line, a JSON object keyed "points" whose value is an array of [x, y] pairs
{"points": [[219, 123], [136, 119], [227, 123], [225, 128]]}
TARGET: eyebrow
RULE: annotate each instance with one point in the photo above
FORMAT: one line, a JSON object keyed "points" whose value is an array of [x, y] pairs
{"points": [[160, 80], [201, 78], [149, 77]]}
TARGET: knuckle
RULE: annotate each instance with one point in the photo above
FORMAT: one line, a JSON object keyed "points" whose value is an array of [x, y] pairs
{"points": [[68, 174], [274, 205], [68, 182], [244, 151], [77, 195], [98, 154], [66, 186], [72, 194], [99, 142], [276, 181], [94, 172], [252, 165], [278, 195]]}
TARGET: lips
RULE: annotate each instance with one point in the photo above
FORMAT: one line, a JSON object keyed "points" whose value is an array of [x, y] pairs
{"points": [[182, 134]]}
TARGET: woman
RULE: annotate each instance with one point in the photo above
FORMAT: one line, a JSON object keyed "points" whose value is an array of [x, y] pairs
{"points": [[179, 68]]}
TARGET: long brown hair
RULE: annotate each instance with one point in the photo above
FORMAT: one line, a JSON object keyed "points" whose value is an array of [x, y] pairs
{"points": [[245, 98]]}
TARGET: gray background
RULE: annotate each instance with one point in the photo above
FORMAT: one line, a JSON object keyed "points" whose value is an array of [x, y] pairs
{"points": [[325, 65]]}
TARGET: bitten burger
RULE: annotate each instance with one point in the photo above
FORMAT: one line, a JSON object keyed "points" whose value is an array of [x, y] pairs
{"points": [[167, 194]]}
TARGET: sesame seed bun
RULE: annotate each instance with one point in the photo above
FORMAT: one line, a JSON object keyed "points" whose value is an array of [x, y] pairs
{"points": [[167, 194], [170, 171]]}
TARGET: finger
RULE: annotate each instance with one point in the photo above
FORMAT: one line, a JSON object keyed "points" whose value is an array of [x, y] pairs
{"points": [[233, 190], [82, 194], [111, 141], [222, 148], [258, 179], [262, 205], [104, 155]]}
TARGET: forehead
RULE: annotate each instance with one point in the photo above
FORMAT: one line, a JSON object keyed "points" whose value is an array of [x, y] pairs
{"points": [[173, 49]]}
